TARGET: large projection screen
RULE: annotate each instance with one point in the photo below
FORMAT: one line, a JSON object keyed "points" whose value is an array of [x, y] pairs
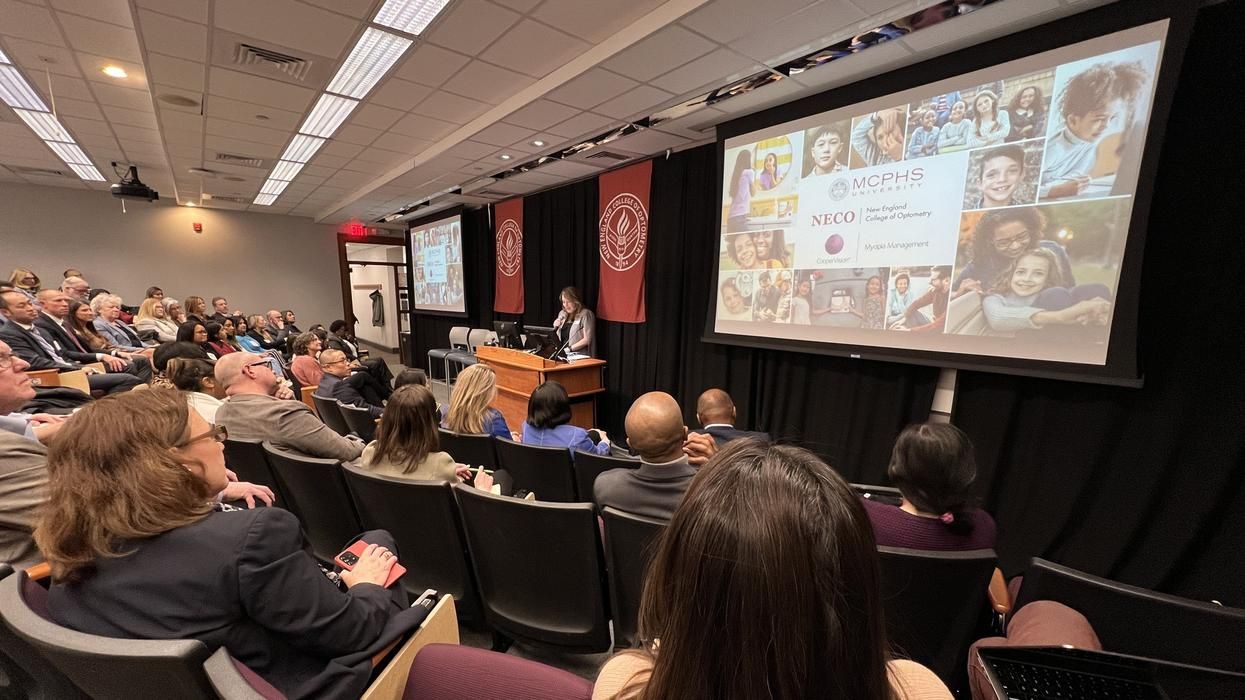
{"points": [[982, 218], [437, 266]]}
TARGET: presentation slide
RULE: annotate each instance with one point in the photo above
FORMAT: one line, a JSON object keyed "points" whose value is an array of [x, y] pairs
{"points": [[437, 265], [984, 215]]}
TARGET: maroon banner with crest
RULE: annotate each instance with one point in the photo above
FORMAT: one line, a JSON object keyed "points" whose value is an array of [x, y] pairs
{"points": [[508, 225], [623, 242]]}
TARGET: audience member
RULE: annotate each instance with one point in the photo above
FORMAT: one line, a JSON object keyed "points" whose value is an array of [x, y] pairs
{"points": [[108, 323], [171, 351], [173, 311], [407, 445], [154, 293], [197, 378], [410, 375], [23, 464], [195, 309], [932, 465], [341, 337], [276, 326], [716, 412], [765, 585], [194, 332], [242, 336], [230, 328], [188, 569], [76, 287], [54, 325], [71, 272], [39, 427], [353, 389], [258, 408], [306, 365], [153, 318], [217, 339], [548, 422], [258, 331], [27, 343], [290, 318], [220, 309], [25, 281], [655, 430], [470, 411]]}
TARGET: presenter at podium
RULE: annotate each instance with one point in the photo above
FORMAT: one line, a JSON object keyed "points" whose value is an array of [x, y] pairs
{"points": [[576, 326]]}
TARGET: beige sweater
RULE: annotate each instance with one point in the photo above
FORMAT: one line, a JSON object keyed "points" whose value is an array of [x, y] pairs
{"points": [[23, 489], [437, 466]]}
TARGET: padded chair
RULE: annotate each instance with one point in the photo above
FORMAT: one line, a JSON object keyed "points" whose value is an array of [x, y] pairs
{"points": [[1132, 620], [882, 494], [936, 606], [321, 500], [589, 466], [450, 672], [546, 471], [540, 568], [106, 668], [630, 542], [249, 461], [359, 421], [423, 518], [29, 675], [472, 450], [331, 414], [458, 340], [304, 395]]}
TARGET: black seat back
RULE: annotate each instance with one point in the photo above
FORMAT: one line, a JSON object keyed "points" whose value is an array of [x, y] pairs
{"points": [[630, 542], [29, 675], [936, 605], [331, 414], [540, 568], [472, 450], [1141, 622], [546, 471], [423, 518], [323, 503], [589, 466], [249, 461], [359, 421]]}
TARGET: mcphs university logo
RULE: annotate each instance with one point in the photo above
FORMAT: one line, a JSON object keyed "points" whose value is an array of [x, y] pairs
{"points": [[509, 247], [624, 232]]}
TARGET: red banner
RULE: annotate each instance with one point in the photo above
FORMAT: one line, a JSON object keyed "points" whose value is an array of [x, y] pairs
{"points": [[623, 242], [508, 224]]}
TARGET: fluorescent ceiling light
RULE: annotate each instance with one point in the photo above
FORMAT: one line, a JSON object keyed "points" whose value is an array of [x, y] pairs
{"points": [[302, 148], [410, 16], [115, 72], [70, 153], [87, 172], [3, 58], [45, 125], [369, 60], [16, 92], [265, 199], [286, 170], [274, 187], [328, 114]]}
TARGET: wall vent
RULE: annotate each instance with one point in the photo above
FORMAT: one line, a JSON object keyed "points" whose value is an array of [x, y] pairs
{"points": [[491, 193], [39, 172], [227, 198], [234, 159], [292, 66]]}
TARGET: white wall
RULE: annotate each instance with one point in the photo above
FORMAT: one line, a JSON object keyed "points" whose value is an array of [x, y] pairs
{"points": [[365, 276], [257, 261]]}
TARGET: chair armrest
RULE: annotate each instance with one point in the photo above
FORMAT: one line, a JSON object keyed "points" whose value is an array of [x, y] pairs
{"points": [[230, 683], [440, 627], [76, 379], [1000, 599], [44, 377], [39, 571], [97, 366]]}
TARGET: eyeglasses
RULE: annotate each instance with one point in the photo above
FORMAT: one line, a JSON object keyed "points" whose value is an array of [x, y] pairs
{"points": [[216, 434], [265, 363], [6, 360], [1004, 243]]}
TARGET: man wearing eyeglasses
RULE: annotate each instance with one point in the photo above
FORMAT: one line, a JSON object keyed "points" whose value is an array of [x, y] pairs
{"points": [[352, 388], [23, 464], [254, 410]]}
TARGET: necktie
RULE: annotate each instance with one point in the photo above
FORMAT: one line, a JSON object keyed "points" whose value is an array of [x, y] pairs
{"points": [[73, 336], [47, 347]]}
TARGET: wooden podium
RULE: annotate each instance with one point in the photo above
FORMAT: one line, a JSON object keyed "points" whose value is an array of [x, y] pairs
{"points": [[519, 373]]}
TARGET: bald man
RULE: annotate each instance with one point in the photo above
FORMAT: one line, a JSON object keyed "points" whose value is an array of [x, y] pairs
{"points": [[656, 432], [716, 412]]}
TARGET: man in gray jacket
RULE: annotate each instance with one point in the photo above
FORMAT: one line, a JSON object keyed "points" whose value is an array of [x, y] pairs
{"points": [[656, 431], [23, 468]]}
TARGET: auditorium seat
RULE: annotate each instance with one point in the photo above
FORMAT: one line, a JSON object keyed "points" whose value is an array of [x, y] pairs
{"points": [[320, 500], [1141, 622], [937, 605], [545, 471], [248, 460], [589, 466], [358, 420], [304, 395], [452, 672], [472, 450], [44, 377], [27, 673], [540, 568], [630, 542], [882, 494], [458, 341], [423, 518], [331, 414]]}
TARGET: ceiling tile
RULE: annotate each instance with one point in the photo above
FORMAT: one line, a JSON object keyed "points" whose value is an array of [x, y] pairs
{"points": [[355, 8], [246, 113], [568, 169], [650, 57], [287, 23], [182, 122], [79, 108], [122, 97], [175, 71], [63, 86], [136, 134], [262, 91], [382, 157], [131, 117], [238, 147], [401, 143], [726, 20], [101, 38], [422, 127], [93, 70], [175, 37], [540, 114], [30, 22], [717, 68], [807, 30], [341, 148], [648, 142], [451, 108], [375, 116], [471, 25], [535, 177], [400, 94], [331, 161], [80, 126], [584, 124], [249, 132], [431, 65], [642, 101], [356, 134], [193, 10], [523, 6], [484, 81], [111, 11], [502, 134], [31, 54], [593, 21], [515, 49], [471, 150], [591, 89]]}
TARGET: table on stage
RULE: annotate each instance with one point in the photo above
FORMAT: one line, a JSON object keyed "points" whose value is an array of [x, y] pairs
{"points": [[519, 373]]}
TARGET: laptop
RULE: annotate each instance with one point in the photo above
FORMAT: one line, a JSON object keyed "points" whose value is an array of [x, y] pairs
{"points": [[1064, 673]]}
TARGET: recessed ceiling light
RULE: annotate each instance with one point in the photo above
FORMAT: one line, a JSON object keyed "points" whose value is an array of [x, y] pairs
{"points": [[505, 156], [538, 143], [190, 204], [115, 72]]}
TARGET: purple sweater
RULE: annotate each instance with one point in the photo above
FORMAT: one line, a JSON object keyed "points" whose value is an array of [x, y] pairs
{"points": [[893, 527]]}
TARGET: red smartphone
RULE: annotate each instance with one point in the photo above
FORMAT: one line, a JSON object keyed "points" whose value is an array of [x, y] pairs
{"points": [[350, 557]]}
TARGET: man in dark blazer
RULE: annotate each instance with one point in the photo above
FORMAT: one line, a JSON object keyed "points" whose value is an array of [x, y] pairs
{"points": [[357, 389], [53, 324], [716, 412], [21, 335]]}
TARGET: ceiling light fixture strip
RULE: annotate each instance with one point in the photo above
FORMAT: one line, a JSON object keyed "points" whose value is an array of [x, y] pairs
{"points": [[410, 16], [17, 93]]}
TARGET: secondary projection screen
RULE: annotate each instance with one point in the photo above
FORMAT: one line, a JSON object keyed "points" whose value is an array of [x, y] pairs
{"points": [[981, 216], [437, 266]]}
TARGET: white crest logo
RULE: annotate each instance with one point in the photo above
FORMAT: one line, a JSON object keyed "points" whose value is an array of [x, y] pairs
{"points": [[623, 232], [509, 247]]}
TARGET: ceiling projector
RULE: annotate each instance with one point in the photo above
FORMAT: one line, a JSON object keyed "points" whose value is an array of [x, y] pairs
{"points": [[130, 187]]}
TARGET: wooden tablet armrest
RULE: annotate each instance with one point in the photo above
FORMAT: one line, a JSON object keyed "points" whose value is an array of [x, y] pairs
{"points": [[44, 377], [97, 366], [1000, 599], [440, 627]]}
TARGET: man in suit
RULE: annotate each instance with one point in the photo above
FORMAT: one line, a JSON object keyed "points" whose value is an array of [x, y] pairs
{"points": [[220, 310], [258, 408], [23, 466], [53, 324], [27, 343], [716, 412], [355, 389], [655, 430]]}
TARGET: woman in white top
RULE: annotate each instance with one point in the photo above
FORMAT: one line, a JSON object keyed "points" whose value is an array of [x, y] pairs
{"points": [[576, 326], [152, 316], [197, 379]]}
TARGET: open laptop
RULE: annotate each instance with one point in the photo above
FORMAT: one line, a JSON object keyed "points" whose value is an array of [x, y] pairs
{"points": [[1064, 673]]}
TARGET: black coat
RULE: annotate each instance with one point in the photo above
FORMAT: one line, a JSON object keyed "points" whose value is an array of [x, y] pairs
{"points": [[722, 434]]}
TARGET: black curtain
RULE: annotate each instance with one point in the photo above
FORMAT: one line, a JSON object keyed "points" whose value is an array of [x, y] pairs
{"points": [[1146, 486]]}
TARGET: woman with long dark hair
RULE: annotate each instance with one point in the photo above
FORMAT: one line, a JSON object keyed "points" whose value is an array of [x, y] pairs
{"points": [[1027, 113], [743, 184], [407, 444], [217, 340]]}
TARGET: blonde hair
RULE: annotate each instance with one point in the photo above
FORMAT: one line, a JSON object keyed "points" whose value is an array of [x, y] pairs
{"points": [[115, 478], [21, 273], [474, 390], [145, 309]]}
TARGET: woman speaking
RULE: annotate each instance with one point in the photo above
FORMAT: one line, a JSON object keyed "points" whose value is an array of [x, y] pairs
{"points": [[576, 326]]}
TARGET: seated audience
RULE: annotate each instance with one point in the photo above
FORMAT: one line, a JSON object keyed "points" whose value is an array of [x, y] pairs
{"points": [[470, 411], [353, 389], [171, 351], [17, 397], [410, 375], [259, 408], [655, 430], [76, 287], [242, 336], [173, 311], [25, 281], [765, 584], [716, 412], [259, 332], [23, 466], [25, 341], [276, 326], [188, 569], [195, 309], [341, 337], [108, 323], [54, 325], [306, 363], [153, 318], [154, 293], [217, 339], [82, 322], [220, 309], [230, 326], [198, 379], [549, 422], [290, 318], [195, 332], [407, 445], [932, 465]]}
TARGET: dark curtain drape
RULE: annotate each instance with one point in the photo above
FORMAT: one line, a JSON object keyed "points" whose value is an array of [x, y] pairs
{"points": [[1146, 486]]}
